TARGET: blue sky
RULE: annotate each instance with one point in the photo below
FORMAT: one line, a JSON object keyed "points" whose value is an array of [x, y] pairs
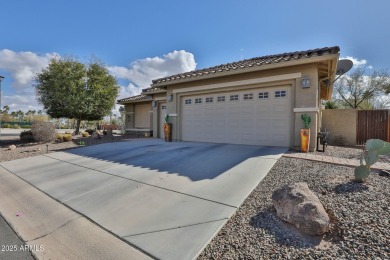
{"points": [[142, 40]]}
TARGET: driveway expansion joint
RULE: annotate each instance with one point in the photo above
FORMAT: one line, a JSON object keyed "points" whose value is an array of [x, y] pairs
{"points": [[183, 226], [148, 184], [58, 228]]}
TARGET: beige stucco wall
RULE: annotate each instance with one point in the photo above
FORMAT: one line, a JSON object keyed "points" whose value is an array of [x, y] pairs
{"points": [[301, 98], [340, 122], [142, 115]]}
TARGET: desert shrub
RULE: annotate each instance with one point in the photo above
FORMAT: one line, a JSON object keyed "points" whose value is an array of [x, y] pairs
{"points": [[340, 140], [16, 127], [68, 133], [43, 131], [26, 136], [67, 138], [85, 134], [6, 126], [59, 137]]}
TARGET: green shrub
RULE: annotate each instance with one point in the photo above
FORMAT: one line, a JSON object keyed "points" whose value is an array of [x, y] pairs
{"points": [[16, 127], [6, 126], [26, 136], [25, 126], [67, 138], [43, 131], [85, 134]]}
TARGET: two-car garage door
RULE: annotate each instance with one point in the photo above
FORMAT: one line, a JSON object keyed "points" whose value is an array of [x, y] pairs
{"points": [[258, 117]]}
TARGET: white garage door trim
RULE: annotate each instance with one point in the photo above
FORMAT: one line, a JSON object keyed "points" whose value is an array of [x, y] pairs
{"points": [[162, 113], [259, 116]]}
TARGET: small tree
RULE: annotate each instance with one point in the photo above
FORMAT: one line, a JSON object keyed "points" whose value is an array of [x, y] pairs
{"points": [[71, 89], [360, 90]]}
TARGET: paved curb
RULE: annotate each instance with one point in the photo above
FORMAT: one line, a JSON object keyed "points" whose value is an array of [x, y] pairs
{"points": [[52, 230], [334, 160]]}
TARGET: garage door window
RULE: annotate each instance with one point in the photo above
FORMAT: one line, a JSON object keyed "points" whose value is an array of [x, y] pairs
{"points": [[234, 97], [248, 96], [263, 95], [209, 100], [221, 99], [188, 101], [280, 93], [198, 100]]}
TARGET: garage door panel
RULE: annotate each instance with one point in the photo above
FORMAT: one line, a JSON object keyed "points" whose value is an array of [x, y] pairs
{"points": [[255, 121]]}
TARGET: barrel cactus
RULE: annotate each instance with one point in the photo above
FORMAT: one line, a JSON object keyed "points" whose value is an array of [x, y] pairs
{"points": [[373, 148]]}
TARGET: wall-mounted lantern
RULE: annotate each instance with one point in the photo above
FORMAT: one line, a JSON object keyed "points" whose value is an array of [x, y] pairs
{"points": [[305, 82]]}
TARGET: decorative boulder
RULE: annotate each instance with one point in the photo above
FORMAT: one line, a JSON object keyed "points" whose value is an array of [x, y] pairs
{"points": [[12, 147], [298, 205]]}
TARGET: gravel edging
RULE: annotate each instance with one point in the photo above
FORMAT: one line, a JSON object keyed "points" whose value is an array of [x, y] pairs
{"points": [[24, 150], [348, 153], [360, 216]]}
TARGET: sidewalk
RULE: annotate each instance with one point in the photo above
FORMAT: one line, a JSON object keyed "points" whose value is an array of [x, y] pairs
{"points": [[333, 160]]}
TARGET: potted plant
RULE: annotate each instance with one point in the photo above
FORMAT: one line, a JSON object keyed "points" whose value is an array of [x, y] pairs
{"points": [[167, 129], [305, 133]]}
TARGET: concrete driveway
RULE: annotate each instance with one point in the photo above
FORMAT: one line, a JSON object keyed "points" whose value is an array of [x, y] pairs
{"points": [[166, 199]]}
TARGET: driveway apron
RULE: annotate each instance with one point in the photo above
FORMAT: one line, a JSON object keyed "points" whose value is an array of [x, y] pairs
{"points": [[168, 199]]}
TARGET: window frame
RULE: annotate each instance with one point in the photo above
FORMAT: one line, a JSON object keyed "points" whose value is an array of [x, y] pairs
{"points": [[234, 100], [265, 95]]}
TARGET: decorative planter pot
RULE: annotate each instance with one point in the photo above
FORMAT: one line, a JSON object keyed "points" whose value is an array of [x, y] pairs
{"points": [[168, 132], [305, 140]]}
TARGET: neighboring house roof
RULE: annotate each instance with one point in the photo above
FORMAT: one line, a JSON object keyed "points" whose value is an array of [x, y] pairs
{"points": [[250, 63], [135, 99]]}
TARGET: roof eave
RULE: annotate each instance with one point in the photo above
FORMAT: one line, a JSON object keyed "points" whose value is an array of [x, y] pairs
{"points": [[250, 69], [133, 101]]}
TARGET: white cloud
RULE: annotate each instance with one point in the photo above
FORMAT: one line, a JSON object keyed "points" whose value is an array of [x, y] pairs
{"points": [[356, 62], [141, 72], [23, 66], [22, 102]]}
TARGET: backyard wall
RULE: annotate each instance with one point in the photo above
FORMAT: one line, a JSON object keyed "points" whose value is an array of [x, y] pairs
{"points": [[340, 122]]}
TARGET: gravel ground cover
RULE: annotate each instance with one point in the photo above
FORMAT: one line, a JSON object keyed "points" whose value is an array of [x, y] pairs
{"points": [[359, 215], [33, 149], [349, 153]]}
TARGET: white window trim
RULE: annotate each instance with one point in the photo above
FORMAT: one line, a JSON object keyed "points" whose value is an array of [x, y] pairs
{"points": [[263, 98], [286, 96], [197, 103], [221, 101], [234, 100], [247, 99]]}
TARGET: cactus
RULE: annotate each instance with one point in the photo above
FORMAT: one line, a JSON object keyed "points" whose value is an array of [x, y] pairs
{"points": [[370, 155], [167, 118], [306, 120]]}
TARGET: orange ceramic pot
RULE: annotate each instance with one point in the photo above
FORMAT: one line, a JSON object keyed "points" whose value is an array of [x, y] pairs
{"points": [[305, 140], [168, 132]]}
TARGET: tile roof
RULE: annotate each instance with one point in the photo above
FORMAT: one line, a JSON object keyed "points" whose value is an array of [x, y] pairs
{"points": [[248, 63], [135, 98], [153, 89]]}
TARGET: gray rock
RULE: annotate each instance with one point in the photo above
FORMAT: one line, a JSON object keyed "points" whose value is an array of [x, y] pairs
{"points": [[298, 205]]}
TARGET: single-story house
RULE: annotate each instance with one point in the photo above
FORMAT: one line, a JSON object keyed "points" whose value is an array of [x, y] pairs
{"points": [[256, 101]]}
